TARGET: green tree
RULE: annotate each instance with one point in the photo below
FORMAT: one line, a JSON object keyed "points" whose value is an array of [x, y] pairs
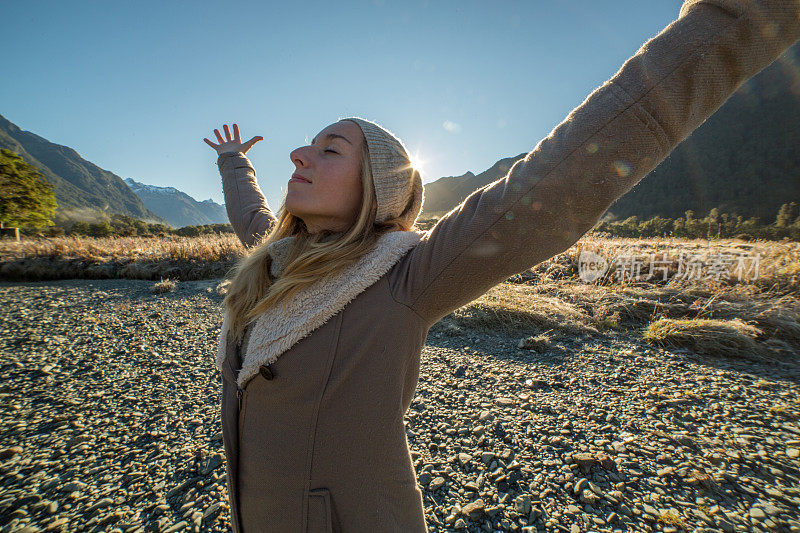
{"points": [[679, 227], [785, 215], [100, 229], [655, 227], [188, 231], [79, 228], [159, 229], [26, 197]]}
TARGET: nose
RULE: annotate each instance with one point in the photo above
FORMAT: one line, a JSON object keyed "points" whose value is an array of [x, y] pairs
{"points": [[299, 156]]}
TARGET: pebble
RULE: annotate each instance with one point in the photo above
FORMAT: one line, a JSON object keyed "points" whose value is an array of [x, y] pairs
{"points": [[599, 437]]}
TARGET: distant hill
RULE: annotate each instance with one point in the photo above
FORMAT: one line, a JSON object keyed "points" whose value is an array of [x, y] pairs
{"points": [[177, 207], [744, 159], [445, 193], [78, 183]]}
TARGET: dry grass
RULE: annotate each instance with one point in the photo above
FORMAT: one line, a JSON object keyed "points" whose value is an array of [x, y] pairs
{"points": [[184, 258], [778, 263], [540, 343], [672, 519], [207, 248], [735, 321], [509, 308], [730, 317], [729, 338], [162, 286]]}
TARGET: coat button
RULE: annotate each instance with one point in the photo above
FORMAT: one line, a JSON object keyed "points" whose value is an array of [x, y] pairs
{"points": [[266, 371]]}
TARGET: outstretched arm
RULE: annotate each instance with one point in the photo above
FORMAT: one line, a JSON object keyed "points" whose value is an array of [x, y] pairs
{"points": [[247, 207], [606, 145]]}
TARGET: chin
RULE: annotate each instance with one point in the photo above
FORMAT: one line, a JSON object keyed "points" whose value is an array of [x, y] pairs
{"points": [[291, 206], [295, 209]]}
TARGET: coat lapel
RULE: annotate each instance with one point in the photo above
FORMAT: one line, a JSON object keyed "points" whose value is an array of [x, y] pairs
{"points": [[280, 327]]}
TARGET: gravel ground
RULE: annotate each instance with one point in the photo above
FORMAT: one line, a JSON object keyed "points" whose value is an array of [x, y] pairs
{"points": [[110, 422]]}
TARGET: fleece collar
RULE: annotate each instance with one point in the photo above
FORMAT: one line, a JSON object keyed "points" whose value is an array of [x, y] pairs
{"points": [[279, 328]]}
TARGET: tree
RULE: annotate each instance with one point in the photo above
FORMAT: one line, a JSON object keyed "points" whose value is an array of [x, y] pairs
{"points": [[100, 229], [79, 228], [785, 215], [188, 231], [26, 197]]}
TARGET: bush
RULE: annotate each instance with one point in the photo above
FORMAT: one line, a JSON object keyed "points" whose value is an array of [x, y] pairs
{"points": [[165, 285], [54, 231], [79, 228], [188, 231], [100, 229]]}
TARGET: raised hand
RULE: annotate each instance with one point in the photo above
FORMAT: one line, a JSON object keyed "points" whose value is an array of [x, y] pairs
{"points": [[232, 145]]}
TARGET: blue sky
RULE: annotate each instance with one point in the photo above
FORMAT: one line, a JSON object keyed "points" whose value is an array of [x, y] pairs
{"points": [[135, 86]]}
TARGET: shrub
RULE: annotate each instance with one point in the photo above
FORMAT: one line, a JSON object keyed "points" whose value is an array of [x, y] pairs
{"points": [[54, 231], [162, 286], [727, 338], [100, 229], [188, 231]]}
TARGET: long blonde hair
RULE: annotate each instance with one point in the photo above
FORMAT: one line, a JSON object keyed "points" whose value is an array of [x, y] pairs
{"points": [[253, 290]]}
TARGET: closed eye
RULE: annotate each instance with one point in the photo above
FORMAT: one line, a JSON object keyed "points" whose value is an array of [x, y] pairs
{"points": [[332, 151]]}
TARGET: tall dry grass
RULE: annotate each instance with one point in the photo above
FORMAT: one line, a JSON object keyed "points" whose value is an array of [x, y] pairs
{"points": [[183, 258], [220, 247], [777, 263], [550, 298], [212, 255], [736, 321], [728, 338], [752, 317]]}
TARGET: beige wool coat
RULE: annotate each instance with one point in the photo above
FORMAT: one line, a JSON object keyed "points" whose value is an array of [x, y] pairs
{"points": [[315, 442]]}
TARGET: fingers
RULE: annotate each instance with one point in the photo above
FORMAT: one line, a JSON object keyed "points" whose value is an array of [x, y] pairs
{"points": [[236, 137], [253, 141]]}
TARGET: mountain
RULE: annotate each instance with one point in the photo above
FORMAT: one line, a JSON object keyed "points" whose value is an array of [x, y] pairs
{"points": [[743, 159], [445, 193], [177, 207], [78, 184]]}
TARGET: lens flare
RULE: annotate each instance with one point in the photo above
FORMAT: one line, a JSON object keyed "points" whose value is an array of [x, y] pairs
{"points": [[623, 168], [417, 162]]}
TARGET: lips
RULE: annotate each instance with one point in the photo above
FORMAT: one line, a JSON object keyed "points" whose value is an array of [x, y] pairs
{"points": [[298, 177]]}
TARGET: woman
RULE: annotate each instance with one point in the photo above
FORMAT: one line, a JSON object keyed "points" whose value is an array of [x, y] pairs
{"points": [[326, 316]]}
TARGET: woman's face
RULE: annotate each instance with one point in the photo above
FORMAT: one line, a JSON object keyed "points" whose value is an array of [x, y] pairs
{"points": [[331, 198]]}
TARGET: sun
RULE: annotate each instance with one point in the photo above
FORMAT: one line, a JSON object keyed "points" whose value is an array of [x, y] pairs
{"points": [[417, 162]]}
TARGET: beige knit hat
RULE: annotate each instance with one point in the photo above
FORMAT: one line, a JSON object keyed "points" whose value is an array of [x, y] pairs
{"points": [[398, 186]]}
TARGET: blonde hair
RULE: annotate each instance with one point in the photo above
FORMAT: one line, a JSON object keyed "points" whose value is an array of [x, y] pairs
{"points": [[253, 290]]}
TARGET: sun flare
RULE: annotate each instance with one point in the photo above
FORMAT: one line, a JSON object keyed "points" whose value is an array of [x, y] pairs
{"points": [[417, 162]]}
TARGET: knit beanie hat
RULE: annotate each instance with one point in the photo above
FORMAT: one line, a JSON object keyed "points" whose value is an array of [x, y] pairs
{"points": [[398, 186]]}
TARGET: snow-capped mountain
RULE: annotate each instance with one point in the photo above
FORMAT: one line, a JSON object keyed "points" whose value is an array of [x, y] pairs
{"points": [[177, 207]]}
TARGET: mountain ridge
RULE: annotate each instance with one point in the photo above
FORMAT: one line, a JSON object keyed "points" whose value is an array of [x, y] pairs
{"points": [[177, 207], [749, 144], [77, 182]]}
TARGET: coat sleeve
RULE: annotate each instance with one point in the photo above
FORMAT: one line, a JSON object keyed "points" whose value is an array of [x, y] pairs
{"points": [[247, 207], [607, 144]]}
